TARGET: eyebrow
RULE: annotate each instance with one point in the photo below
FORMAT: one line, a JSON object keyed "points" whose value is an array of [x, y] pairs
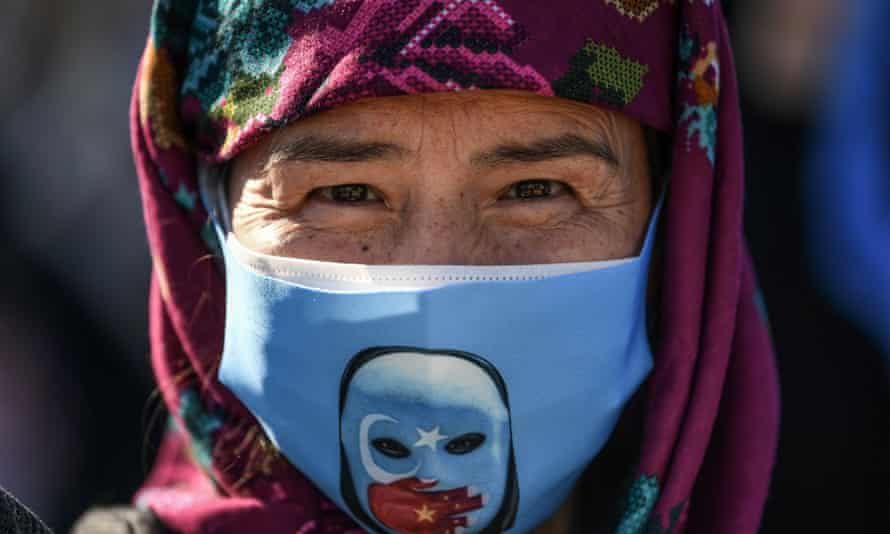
{"points": [[562, 146], [332, 150], [313, 148]]}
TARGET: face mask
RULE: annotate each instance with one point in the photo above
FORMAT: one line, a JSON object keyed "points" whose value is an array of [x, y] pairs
{"points": [[436, 399]]}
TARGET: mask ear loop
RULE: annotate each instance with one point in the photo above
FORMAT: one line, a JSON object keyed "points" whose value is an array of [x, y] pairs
{"points": [[658, 151], [212, 179]]}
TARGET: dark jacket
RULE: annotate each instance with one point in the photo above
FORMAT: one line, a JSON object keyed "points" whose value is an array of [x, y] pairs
{"points": [[15, 518]]}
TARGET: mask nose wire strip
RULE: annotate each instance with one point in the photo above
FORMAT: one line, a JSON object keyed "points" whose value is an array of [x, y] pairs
{"points": [[349, 277]]}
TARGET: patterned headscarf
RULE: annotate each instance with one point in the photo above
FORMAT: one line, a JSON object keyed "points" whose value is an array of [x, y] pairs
{"points": [[219, 74]]}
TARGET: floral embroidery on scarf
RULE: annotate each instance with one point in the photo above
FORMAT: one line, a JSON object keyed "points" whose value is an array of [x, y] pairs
{"points": [[170, 21], [700, 74], [200, 424], [157, 99], [185, 198], [249, 97], [603, 73], [638, 10], [448, 51], [241, 56], [639, 502], [234, 41], [638, 505], [235, 55], [308, 5]]}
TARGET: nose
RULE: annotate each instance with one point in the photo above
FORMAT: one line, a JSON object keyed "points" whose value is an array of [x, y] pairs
{"points": [[430, 466], [441, 231]]}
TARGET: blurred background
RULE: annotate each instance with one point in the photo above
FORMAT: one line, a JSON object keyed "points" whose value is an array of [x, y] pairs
{"points": [[76, 403]]}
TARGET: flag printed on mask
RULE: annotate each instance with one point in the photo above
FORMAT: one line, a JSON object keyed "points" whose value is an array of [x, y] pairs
{"points": [[426, 446], [412, 505]]}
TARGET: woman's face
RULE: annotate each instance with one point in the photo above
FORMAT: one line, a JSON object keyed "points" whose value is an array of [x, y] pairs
{"points": [[474, 178]]}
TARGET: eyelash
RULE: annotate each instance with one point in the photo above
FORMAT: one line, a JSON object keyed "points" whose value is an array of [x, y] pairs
{"points": [[534, 190], [348, 193], [363, 193]]}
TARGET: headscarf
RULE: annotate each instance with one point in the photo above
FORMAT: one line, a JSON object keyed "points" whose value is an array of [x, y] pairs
{"points": [[219, 74]]}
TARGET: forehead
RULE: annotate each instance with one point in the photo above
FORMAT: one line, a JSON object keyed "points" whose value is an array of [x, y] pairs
{"points": [[431, 381], [469, 114]]}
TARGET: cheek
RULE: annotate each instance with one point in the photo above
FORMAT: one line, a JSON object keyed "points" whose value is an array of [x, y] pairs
{"points": [[584, 236], [282, 234], [559, 233], [372, 248]]}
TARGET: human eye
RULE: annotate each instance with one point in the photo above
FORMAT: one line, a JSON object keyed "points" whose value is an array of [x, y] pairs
{"points": [[534, 190], [348, 194], [391, 447], [465, 443]]}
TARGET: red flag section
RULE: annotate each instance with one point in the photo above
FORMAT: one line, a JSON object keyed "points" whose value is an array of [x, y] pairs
{"points": [[408, 506]]}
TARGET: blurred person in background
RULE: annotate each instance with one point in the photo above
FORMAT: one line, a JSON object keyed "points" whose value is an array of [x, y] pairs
{"points": [[318, 148], [849, 187], [834, 437], [74, 261]]}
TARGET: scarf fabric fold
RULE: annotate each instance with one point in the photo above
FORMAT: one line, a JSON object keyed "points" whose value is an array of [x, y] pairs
{"points": [[218, 75]]}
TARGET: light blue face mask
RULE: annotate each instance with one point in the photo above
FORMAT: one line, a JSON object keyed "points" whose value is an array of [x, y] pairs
{"points": [[435, 399]]}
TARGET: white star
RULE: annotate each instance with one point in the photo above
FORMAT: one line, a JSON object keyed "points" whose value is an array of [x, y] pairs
{"points": [[429, 439]]}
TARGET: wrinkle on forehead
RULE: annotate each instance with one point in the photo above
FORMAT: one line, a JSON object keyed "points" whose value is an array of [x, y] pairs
{"points": [[415, 120]]}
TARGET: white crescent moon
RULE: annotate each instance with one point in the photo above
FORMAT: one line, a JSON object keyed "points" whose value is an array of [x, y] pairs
{"points": [[376, 472]]}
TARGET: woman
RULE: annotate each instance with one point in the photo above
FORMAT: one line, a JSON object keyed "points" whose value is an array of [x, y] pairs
{"points": [[393, 192]]}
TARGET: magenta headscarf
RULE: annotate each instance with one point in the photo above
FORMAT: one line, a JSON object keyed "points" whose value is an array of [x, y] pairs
{"points": [[219, 74]]}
